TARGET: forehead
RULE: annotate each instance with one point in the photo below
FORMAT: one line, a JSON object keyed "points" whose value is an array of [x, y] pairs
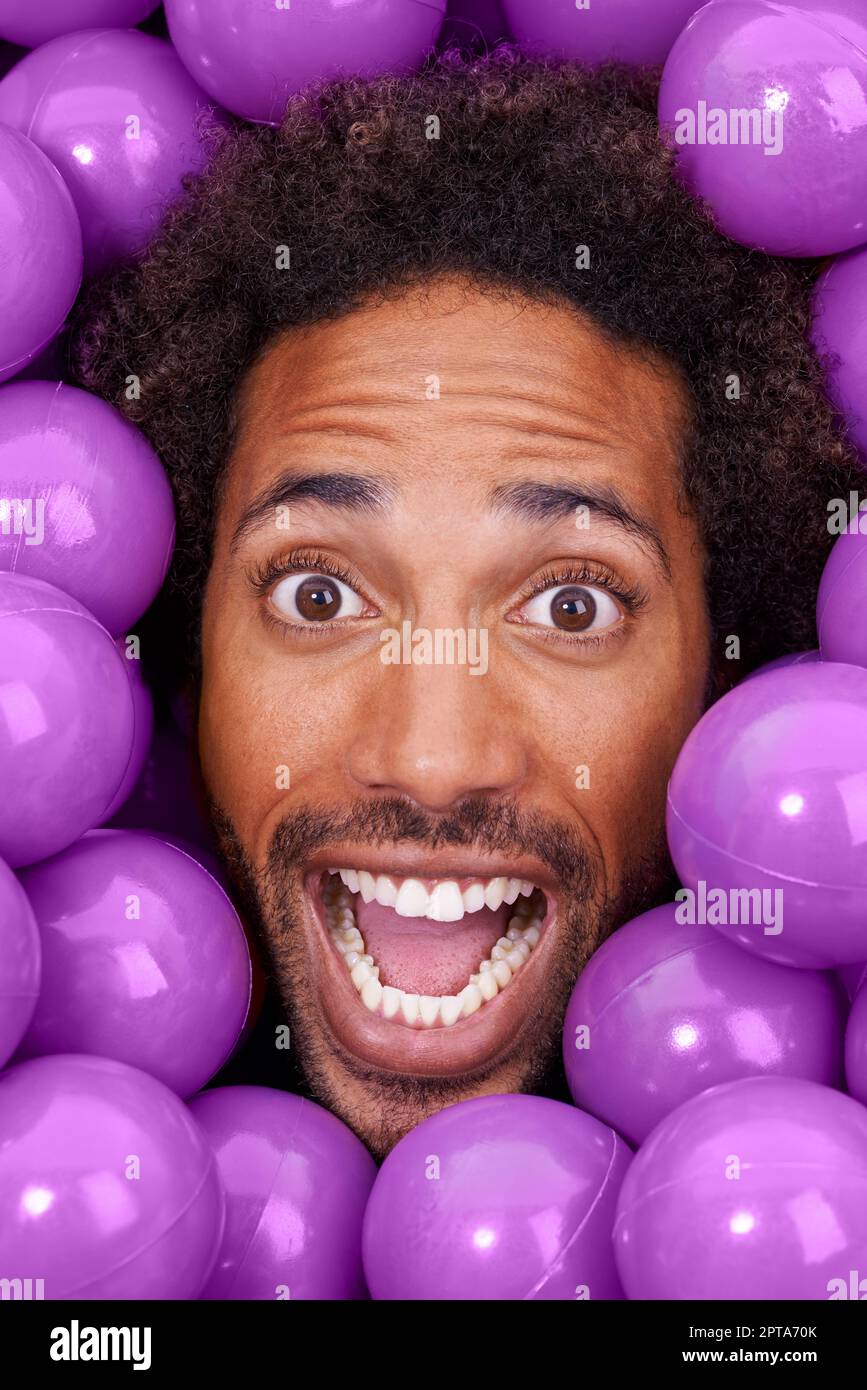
{"points": [[491, 375]]}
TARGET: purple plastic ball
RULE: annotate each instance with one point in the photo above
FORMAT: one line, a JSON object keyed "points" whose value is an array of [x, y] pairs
{"points": [[780, 663], [143, 959], [20, 959], [856, 1047], [116, 111], [767, 815], [666, 1008], [66, 730], [31, 24], [40, 251], [503, 1197], [296, 1183], [88, 504], [756, 1189], [108, 1188], [841, 609], [766, 106], [252, 55], [629, 31], [839, 333]]}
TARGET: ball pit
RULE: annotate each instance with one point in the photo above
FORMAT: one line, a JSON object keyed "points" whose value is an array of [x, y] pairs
{"points": [[115, 110], [760, 812], [666, 1008], [503, 1197], [734, 1194], [100, 521], [625, 31], [66, 737], [777, 150], [20, 963], [296, 1183], [143, 959], [251, 55], [83, 1141], [42, 256]]}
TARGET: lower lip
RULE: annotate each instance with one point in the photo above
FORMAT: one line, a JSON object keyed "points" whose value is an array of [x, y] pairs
{"points": [[491, 1032]]}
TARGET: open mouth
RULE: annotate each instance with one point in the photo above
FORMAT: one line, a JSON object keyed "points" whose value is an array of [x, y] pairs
{"points": [[430, 954]]}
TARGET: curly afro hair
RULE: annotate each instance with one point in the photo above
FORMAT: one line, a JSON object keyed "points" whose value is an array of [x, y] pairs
{"points": [[525, 161]]}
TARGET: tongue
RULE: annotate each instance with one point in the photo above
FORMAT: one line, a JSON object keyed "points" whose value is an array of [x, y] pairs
{"points": [[423, 957]]}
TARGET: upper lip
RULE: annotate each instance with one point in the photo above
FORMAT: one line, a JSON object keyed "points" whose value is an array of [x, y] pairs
{"points": [[408, 862]]}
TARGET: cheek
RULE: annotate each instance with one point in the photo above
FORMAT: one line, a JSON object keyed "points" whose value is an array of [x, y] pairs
{"points": [[619, 737], [270, 729]]}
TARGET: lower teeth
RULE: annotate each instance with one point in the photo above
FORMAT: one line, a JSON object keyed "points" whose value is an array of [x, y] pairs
{"points": [[426, 1010]]}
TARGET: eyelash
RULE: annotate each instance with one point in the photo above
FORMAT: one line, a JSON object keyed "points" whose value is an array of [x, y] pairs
{"points": [[633, 599], [585, 573], [263, 576]]}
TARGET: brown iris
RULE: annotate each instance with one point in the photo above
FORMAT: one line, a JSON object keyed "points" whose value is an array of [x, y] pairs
{"points": [[317, 599], [573, 609]]}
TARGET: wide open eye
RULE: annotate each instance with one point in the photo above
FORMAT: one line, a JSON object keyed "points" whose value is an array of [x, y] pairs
{"points": [[315, 598], [573, 609]]}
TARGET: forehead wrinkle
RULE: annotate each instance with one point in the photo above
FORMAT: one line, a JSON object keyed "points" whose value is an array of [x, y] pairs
{"points": [[333, 421]]}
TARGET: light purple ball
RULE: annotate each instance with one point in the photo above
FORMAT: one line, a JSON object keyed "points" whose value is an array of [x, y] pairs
{"points": [[856, 1047], [839, 333], [665, 1009], [99, 518], [502, 1197], [629, 31], [767, 797], [20, 962], [799, 72], [251, 56], [66, 730], [841, 608], [781, 662], [143, 959], [40, 251], [108, 1188], [296, 1183], [31, 24], [116, 111], [756, 1189]]}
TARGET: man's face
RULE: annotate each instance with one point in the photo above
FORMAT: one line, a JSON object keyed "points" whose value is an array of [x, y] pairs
{"points": [[454, 635]]}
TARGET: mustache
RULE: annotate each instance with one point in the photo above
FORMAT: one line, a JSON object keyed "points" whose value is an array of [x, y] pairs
{"points": [[477, 823]]}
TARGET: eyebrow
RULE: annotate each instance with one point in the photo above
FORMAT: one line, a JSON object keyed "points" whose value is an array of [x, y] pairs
{"points": [[352, 492], [548, 502], [533, 501]]}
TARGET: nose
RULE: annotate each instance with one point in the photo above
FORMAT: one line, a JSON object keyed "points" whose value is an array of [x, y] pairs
{"points": [[438, 734]]}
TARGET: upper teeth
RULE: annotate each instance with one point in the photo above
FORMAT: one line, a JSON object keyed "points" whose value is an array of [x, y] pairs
{"points": [[444, 902], [494, 974]]}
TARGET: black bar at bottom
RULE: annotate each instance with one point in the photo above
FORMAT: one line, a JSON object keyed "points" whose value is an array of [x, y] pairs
{"points": [[252, 1339]]}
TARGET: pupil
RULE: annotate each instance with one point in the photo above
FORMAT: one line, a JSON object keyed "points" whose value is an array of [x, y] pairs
{"points": [[573, 609], [317, 599]]}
